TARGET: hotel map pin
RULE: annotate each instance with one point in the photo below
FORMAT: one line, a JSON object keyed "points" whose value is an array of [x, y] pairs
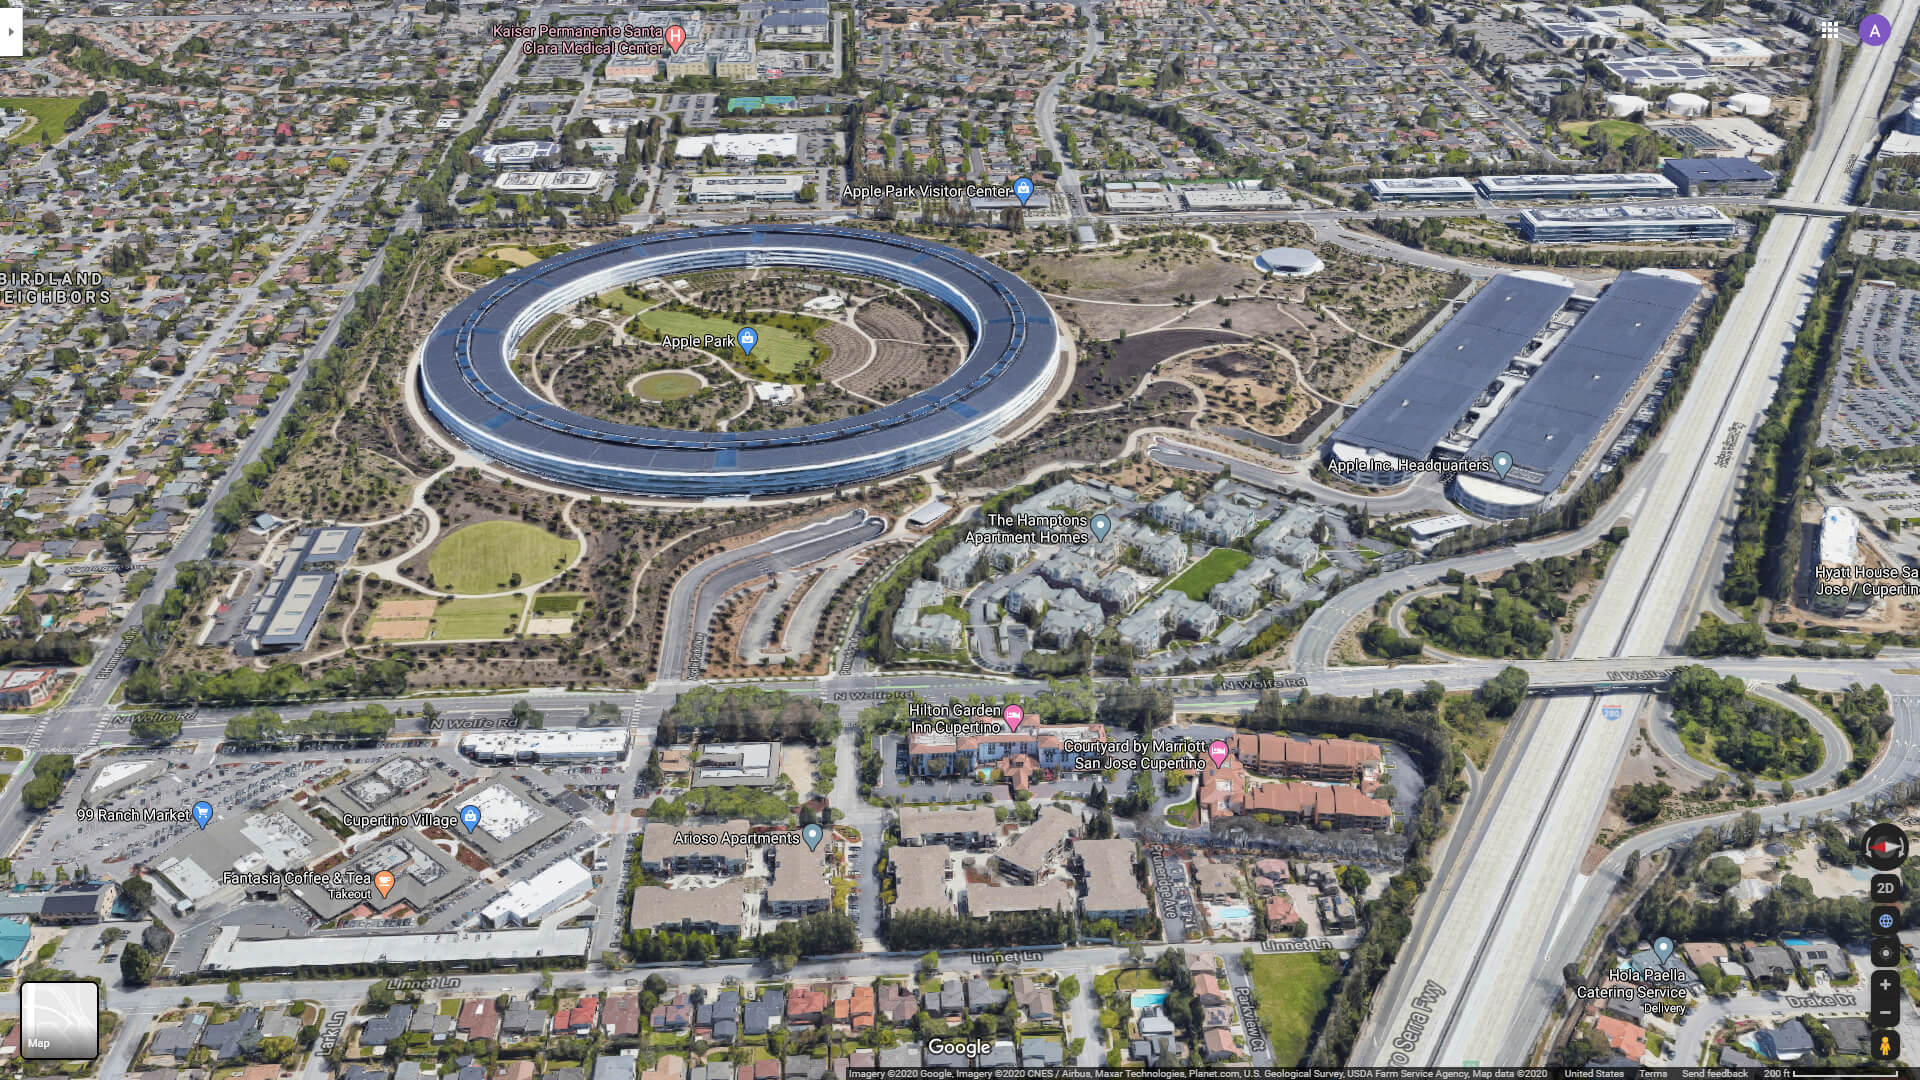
{"points": [[384, 882], [1013, 714], [676, 37], [1023, 190], [203, 812], [1101, 525], [812, 834], [1217, 750], [1663, 948], [748, 337], [470, 817], [1502, 463]]}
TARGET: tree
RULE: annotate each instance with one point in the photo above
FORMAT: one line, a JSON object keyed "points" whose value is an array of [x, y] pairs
{"points": [[138, 893], [1640, 803], [1354, 880], [136, 965]]}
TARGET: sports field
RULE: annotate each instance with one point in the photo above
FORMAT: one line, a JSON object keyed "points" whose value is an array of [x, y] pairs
{"points": [[486, 617], [780, 351], [485, 557], [1217, 566], [667, 386], [1292, 988], [50, 116]]}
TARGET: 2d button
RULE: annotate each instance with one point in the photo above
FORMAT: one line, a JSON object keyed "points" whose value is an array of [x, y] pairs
{"points": [[1884, 846]]}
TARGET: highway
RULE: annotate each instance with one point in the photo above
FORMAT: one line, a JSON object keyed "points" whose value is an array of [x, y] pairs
{"points": [[1496, 908]]}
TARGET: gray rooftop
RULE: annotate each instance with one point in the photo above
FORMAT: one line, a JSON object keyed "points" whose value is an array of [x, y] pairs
{"points": [[1557, 414], [1413, 410]]}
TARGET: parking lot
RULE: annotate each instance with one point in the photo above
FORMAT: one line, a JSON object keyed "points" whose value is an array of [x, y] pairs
{"points": [[1875, 401]]}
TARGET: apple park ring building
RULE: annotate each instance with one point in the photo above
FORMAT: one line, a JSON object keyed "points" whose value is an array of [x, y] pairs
{"points": [[468, 384]]}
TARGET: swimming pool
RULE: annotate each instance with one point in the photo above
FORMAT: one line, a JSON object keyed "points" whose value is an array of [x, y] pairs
{"points": [[1238, 911], [1146, 998]]}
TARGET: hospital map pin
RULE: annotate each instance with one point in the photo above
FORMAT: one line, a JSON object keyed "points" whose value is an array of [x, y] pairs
{"points": [[1502, 462], [203, 812], [1023, 190], [812, 834], [748, 337], [676, 36], [470, 817], [1101, 525]]}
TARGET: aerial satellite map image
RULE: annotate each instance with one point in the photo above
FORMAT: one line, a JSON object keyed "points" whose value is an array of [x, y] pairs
{"points": [[917, 539]]}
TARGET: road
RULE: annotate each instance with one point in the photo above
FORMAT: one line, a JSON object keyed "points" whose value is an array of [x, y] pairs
{"points": [[1500, 915], [699, 592]]}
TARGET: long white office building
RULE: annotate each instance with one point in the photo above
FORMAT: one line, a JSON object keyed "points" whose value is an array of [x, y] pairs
{"points": [[1617, 224], [1591, 185]]}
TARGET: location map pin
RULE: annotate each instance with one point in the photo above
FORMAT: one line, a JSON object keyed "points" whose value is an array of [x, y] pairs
{"points": [[1101, 525], [1023, 190], [203, 812], [1502, 463], [1875, 29], [1013, 714], [470, 817], [676, 36], [748, 337], [812, 834], [1662, 948], [1217, 750]]}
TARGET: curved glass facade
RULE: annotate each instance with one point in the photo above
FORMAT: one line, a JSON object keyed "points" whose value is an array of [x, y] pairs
{"points": [[467, 382]]}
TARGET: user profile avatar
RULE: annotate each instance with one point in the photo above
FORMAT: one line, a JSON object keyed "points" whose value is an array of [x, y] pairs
{"points": [[60, 1021]]}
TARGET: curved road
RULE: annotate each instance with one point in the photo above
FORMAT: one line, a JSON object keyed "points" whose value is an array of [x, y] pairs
{"points": [[697, 594], [1837, 750]]}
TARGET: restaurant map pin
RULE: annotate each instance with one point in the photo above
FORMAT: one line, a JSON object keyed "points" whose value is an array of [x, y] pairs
{"points": [[384, 882]]}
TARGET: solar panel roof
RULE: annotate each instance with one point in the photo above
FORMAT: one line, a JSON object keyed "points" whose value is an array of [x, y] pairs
{"points": [[1557, 414], [1414, 409]]}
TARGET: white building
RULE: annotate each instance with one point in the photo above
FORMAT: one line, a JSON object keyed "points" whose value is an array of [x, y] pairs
{"points": [[1839, 537], [740, 146], [525, 903], [1731, 51], [715, 189], [607, 744]]}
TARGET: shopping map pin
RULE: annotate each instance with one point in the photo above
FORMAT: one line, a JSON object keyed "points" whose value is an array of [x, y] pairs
{"points": [[470, 817], [1663, 948], [1101, 525], [203, 812], [1217, 750], [1023, 190], [812, 834], [676, 36], [748, 337], [384, 882], [1013, 714], [1502, 462]]}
